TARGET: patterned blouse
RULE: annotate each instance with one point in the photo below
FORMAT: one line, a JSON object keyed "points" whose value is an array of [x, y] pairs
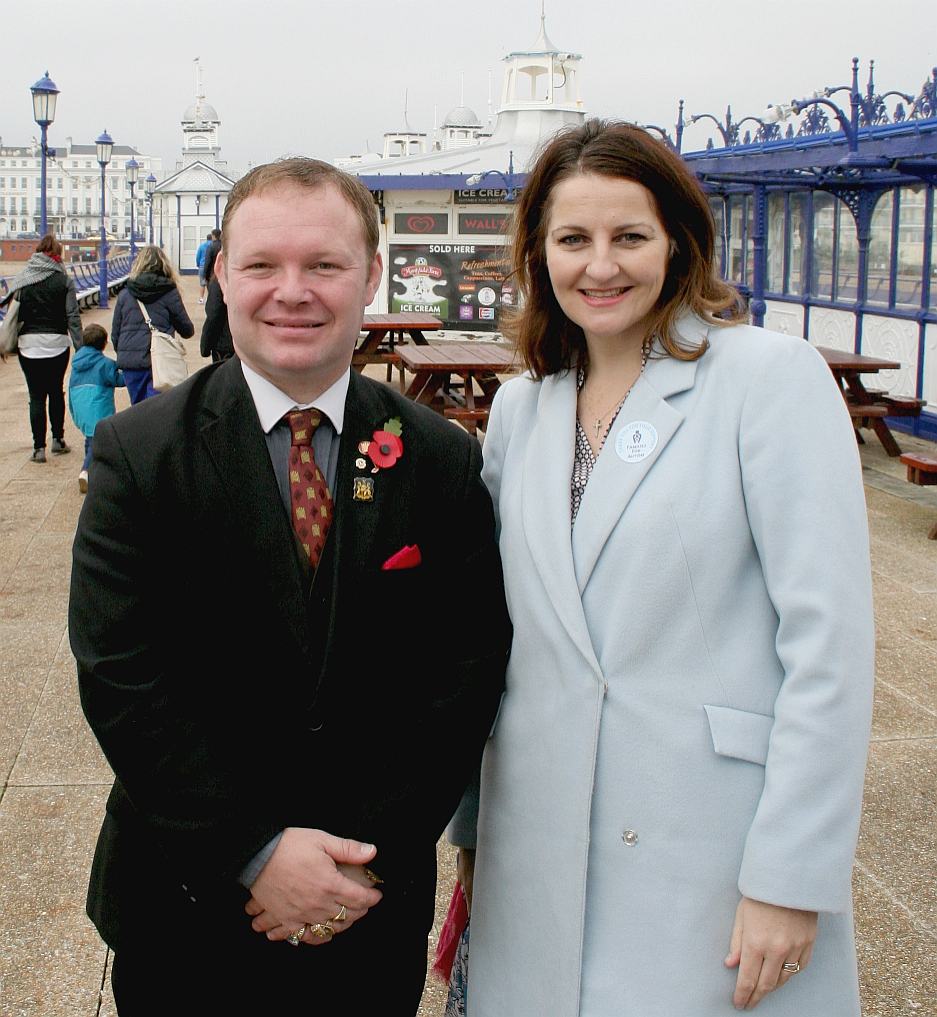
{"points": [[584, 459]]}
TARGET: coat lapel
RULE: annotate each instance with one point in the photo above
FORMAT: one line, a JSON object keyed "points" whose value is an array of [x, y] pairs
{"points": [[548, 469], [236, 445], [614, 479]]}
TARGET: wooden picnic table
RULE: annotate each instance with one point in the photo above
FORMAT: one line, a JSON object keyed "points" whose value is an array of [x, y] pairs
{"points": [[383, 331], [474, 363], [864, 408]]}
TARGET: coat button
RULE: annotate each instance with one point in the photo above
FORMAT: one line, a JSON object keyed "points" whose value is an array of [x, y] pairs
{"points": [[630, 838]]}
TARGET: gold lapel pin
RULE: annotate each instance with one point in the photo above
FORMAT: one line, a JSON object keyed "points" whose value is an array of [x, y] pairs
{"points": [[363, 489]]}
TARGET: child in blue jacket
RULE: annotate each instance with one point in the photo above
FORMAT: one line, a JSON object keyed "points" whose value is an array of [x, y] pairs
{"points": [[91, 390]]}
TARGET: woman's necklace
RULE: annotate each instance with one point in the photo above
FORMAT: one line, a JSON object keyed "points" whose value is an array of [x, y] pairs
{"points": [[597, 425]]}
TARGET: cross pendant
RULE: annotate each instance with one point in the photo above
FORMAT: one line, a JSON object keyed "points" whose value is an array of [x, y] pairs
{"points": [[598, 425]]}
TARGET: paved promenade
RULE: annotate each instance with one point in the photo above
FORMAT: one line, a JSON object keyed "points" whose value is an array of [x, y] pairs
{"points": [[54, 781]]}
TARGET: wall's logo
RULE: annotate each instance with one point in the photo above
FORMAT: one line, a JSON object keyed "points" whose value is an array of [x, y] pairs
{"points": [[420, 223]]}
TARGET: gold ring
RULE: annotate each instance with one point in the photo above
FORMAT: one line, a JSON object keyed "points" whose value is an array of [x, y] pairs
{"points": [[792, 966], [322, 930], [340, 917], [295, 938]]}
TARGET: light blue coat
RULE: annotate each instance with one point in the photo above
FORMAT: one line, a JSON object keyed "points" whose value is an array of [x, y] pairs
{"points": [[689, 695]]}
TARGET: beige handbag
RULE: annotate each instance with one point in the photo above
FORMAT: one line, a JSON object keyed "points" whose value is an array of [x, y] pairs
{"points": [[10, 328], [167, 356]]}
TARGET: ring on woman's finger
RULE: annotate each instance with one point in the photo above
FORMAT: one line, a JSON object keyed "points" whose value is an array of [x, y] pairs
{"points": [[792, 967], [322, 930], [294, 938], [340, 917]]}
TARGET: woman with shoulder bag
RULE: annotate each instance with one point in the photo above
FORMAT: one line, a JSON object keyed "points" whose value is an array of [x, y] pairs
{"points": [[153, 283], [49, 322]]}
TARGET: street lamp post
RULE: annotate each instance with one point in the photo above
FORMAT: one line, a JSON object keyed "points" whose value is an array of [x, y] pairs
{"points": [[509, 185], [44, 97], [105, 144], [133, 171], [149, 185]]}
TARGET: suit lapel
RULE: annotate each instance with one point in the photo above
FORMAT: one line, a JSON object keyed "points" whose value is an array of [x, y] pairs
{"points": [[615, 478], [236, 445], [548, 469], [355, 521]]}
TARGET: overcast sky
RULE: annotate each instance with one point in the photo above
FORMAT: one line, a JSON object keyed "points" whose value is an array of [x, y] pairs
{"points": [[328, 77]]}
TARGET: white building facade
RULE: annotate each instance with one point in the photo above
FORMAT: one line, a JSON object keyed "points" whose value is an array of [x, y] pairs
{"points": [[444, 213], [73, 191], [190, 202]]}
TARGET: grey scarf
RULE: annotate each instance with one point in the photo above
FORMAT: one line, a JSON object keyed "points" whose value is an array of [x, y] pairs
{"points": [[39, 267]]}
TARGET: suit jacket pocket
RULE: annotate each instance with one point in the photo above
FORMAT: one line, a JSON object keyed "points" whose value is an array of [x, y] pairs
{"points": [[740, 734]]}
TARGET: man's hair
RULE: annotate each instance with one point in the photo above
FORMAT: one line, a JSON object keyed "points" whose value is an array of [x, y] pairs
{"points": [[547, 339], [152, 259], [311, 174], [94, 335], [208, 236], [49, 245], [214, 235]]}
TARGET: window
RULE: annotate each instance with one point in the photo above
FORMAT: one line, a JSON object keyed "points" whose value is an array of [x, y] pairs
{"points": [[797, 243], [87, 206], [776, 243], [740, 237], [23, 183], [880, 250], [824, 224], [60, 205], [847, 254], [58, 183], [717, 207], [74, 206], [3, 205], [910, 245], [23, 207], [24, 226]]}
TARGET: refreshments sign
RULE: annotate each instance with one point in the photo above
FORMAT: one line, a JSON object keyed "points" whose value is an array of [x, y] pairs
{"points": [[463, 284]]}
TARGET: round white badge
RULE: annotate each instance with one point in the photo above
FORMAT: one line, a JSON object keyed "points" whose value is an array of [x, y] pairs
{"points": [[636, 441]]}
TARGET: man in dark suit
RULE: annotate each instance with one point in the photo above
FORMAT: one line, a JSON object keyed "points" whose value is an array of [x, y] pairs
{"points": [[269, 647]]}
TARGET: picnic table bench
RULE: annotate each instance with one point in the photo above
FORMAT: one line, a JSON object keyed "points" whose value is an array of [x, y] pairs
{"points": [[446, 375], [383, 332], [865, 409], [922, 470]]}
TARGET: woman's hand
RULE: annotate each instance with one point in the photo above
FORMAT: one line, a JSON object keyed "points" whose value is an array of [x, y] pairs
{"points": [[764, 938]]}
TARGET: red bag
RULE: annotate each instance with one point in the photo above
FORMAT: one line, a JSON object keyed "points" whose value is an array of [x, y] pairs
{"points": [[450, 934]]}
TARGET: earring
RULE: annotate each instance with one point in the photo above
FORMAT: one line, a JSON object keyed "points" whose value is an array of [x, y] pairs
{"points": [[673, 247]]}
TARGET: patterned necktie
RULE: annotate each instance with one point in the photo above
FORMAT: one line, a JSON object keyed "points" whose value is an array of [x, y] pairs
{"points": [[310, 500]]}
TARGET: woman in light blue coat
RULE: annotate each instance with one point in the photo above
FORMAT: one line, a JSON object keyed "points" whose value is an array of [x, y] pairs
{"points": [[670, 796]]}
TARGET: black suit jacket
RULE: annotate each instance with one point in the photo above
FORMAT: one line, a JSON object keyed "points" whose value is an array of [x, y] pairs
{"points": [[234, 694]]}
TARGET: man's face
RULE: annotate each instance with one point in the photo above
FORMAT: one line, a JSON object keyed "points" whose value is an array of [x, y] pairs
{"points": [[296, 277]]}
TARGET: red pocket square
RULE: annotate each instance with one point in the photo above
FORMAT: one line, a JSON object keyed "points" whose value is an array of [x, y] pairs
{"points": [[406, 558]]}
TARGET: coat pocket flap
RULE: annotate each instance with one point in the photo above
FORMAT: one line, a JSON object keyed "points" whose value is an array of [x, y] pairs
{"points": [[739, 733]]}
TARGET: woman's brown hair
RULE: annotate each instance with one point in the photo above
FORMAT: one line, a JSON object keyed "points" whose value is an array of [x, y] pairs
{"points": [[49, 245], [547, 340]]}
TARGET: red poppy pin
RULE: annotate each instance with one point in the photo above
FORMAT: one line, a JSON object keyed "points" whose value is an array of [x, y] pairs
{"points": [[386, 445]]}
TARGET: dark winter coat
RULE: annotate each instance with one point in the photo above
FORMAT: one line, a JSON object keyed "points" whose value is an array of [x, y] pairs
{"points": [[50, 307], [216, 335], [130, 335]]}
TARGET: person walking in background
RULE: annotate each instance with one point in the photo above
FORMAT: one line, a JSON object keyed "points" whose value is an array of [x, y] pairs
{"points": [[152, 282], [91, 390], [213, 250], [216, 334], [50, 322], [200, 265], [671, 793]]}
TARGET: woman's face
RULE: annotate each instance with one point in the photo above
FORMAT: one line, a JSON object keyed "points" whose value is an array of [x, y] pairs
{"points": [[607, 254]]}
